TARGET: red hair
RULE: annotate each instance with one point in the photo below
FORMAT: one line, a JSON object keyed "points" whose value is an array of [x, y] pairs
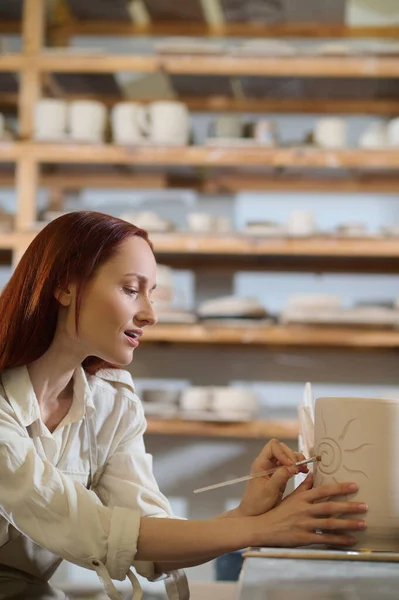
{"points": [[70, 248]]}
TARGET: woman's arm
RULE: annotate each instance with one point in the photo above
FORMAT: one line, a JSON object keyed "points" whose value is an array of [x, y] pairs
{"points": [[295, 522]]}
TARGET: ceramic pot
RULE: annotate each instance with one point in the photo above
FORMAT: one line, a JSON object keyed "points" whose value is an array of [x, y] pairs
{"points": [[357, 439]]}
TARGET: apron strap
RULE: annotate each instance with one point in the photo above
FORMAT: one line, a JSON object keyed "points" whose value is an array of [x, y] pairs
{"points": [[176, 584]]}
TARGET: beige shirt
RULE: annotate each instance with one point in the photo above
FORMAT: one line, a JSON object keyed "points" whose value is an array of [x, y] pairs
{"points": [[43, 475]]}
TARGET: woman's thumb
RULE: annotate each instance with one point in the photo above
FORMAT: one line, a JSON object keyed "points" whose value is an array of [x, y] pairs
{"points": [[280, 478]]}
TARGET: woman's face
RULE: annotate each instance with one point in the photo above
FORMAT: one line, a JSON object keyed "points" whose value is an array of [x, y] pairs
{"points": [[116, 304]]}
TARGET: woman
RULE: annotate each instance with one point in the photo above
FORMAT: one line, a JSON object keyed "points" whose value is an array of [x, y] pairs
{"points": [[76, 483]]}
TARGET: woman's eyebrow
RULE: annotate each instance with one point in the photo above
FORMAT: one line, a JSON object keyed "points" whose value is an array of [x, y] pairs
{"points": [[141, 278]]}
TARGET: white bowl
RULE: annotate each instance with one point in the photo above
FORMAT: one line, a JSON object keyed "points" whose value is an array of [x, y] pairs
{"points": [[234, 399], [160, 396], [196, 398]]}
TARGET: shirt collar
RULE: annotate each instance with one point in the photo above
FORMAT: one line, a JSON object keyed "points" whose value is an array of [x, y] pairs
{"points": [[22, 397]]}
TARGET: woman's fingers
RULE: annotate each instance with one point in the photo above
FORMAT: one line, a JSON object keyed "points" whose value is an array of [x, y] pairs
{"points": [[324, 509], [329, 539], [333, 489], [273, 454], [332, 524]]}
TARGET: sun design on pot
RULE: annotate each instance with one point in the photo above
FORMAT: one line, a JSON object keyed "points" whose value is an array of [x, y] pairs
{"points": [[334, 452]]}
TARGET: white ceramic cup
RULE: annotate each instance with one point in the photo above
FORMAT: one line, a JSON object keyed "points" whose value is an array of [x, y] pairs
{"points": [[201, 222], [265, 133], [125, 123], [165, 122], [50, 119], [330, 132], [393, 132], [374, 136], [301, 222], [226, 126], [87, 120]]}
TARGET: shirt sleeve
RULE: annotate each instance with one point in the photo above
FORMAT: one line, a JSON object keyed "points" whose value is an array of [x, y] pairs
{"points": [[58, 513], [128, 480]]}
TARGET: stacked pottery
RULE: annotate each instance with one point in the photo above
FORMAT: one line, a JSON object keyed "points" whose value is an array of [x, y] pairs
{"points": [[159, 123]]}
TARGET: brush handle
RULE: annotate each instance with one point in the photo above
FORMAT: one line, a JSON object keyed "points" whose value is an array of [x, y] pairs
{"points": [[253, 476]]}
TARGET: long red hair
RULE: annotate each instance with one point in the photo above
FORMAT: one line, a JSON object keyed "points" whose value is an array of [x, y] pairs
{"points": [[70, 248]]}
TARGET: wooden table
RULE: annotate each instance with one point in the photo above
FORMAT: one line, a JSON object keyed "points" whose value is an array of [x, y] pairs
{"points": [[298, 575]]}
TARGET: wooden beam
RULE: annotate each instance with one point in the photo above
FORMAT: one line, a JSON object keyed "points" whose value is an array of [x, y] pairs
{"points": [[27, 172], [280, 336], [97, 62], [300, 66], [354, 106], [261, 30], [10, 151], [11, 62], [281, 429], [32, 44]]}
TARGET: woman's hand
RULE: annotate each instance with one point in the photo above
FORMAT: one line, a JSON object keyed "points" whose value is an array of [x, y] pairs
{"points": [[296, 521], [264, 493]]}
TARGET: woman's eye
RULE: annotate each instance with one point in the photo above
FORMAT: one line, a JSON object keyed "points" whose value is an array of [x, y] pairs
{"points": [[131, 292]]}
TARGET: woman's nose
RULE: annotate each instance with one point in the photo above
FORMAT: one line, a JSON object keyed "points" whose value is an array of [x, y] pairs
{"points": [[147, 315]]}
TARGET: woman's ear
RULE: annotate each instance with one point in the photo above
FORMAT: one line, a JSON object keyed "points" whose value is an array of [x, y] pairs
{"points": [[63, 295]]}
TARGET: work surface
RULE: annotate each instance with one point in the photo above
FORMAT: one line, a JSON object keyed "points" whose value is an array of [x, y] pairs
{"points": [[283, 578]]}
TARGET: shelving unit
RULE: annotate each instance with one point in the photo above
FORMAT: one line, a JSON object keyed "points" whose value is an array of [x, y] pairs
{"points": [[31, 158], [282, 429], [275, 336]]}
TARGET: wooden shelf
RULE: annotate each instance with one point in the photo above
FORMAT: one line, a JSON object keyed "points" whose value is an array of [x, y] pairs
{"points": [[318, 254], [300, 336], [10, 151], [11, 62], [210, 157], [234, 245], [282, 429], [187, 28], [103, 27], [358, 106], [300, 66], [212, 183], [97, 62]]}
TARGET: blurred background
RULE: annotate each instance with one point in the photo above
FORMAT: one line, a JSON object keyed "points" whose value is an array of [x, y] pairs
{"points": [[258, 142]]}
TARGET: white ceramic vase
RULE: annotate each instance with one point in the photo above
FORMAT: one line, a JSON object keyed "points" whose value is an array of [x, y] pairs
{"points": [[357, 439]]}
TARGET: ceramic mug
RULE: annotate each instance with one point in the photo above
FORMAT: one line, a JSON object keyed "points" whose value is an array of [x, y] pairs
{"points": [[301, 222], [50, 119], [125, 123], [330, 132], [87, 120], [165, 122], [226, 126], [374, 136], [265, 133], [393, 132]]}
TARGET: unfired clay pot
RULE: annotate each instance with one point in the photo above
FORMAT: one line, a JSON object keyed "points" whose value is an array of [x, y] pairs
{"points": [[358, 440]]}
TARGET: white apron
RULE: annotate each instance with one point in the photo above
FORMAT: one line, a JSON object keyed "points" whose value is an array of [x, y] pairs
{"points": [[25, 567]]}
